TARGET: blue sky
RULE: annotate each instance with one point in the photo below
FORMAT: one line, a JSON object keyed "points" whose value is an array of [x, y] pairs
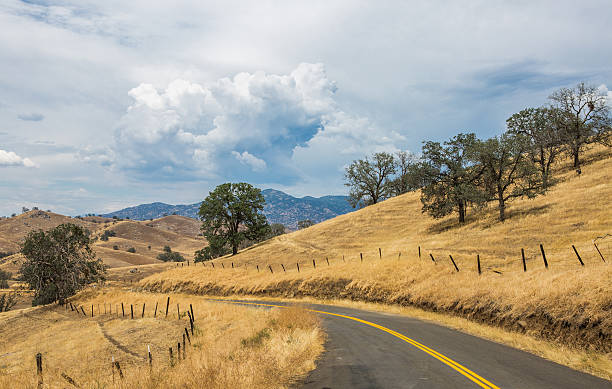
{"points": [[109, 104]]}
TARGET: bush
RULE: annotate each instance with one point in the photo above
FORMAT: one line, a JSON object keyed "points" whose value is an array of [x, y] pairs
{"points": [[167, 249], [7, 301], [171, 257], [7, 254], [115, 247], [131, 250], [4, 277], [107, 234]]}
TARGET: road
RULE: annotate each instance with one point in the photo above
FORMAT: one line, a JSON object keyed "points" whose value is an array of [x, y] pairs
{"points": [[377, 350]]}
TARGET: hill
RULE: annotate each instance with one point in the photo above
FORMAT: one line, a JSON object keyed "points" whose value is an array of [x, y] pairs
{"points": [[146, 238], [566, 303], [280, 208]]}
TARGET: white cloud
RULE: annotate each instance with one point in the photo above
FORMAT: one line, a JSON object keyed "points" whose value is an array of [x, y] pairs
{"points": [[31, 117], [248, 159], [9, 158]]}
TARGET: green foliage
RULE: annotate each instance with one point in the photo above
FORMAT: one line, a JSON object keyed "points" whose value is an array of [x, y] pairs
{"points": [[59, 262], [230, 215], [451, 176], [170, 256], [131, 250], [369, 180], [4, 277], [276, 229], [539, 126], [115, 247], [107, 234], [584, 118], [5, 254], [7, 301], [508, 172], [305, 224]]}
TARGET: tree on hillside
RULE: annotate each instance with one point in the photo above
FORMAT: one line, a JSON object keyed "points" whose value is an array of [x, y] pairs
{"points": [[451, 176], [369, 180], [508, 172], [4, 277], [538, 125], [405, 164], [231, 214], [585, 118], [276, 229], [59, 262], [305, 224], [7, 301]]}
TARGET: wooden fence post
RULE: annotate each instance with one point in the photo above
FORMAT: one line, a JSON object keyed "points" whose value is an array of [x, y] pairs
{"points": [[178, 350], [432, 258], [188, 337], [283, 268], [544, 256], [191, 309], [232, 265], [155, 314], [92, 310], [213, 264], [419, 252], [578, 255], [597, 248], [150, 357], [478, 260], [361, 256], [327, 259], [379, 253], [167, 304], [184, 347], [70, 380], [453, 261], [343, 259], [171, 357], [119, 369], [143, 309], [131, 311], [270, 267], [524, 262], [399, 255], [82, 310], [257, 268], [298, 266], [122, 310], [178, 311], [314, 264], [39, 369]]}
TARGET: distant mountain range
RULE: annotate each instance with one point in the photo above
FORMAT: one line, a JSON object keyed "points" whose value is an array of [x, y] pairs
{"points": [[280, 208]]}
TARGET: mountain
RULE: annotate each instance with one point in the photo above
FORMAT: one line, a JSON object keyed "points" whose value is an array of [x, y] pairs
{"points": [[280, 208]]}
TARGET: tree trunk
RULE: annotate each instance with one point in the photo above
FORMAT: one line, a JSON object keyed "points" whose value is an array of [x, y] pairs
{"points": [[502, 209], [461, 212], [576, 159], [234, 249]]}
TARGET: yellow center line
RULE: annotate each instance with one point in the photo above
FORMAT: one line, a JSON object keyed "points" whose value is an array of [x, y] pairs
{"points": [[480, 381]]}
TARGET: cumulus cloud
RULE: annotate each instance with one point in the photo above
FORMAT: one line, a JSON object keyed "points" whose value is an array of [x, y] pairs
{"points": [[9, 158], [248, 159], [286, 122], [603, 89], [31, 117]]}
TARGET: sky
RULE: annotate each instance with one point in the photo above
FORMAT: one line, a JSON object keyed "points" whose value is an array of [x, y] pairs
{"points": [[108, 104]]}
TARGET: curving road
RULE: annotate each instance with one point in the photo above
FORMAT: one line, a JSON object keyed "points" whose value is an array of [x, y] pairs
{"points": [[376, 350]]}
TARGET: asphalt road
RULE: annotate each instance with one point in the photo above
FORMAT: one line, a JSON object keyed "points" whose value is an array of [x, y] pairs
{"points": [[381, 350]]}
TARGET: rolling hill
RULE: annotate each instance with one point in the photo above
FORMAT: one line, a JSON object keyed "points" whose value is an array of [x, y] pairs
{"points": [[564, 302], [280, 208]]}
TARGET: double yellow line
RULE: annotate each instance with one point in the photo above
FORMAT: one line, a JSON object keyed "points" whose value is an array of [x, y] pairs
{"points": [[480, 381]]}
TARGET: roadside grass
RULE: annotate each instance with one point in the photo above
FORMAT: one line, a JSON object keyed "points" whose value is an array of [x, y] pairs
{"points": [[220, 354]]}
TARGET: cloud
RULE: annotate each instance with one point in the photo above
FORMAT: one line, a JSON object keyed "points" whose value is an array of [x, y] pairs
{"points": [[31, 117], [9, 158], [190, 130], [250, 160]]}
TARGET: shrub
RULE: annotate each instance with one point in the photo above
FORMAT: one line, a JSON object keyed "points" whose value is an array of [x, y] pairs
{"points": [[7, 301], [7, 254], [170, 256], [4, 277], [131, 250], [107, 234], [115, 247]]}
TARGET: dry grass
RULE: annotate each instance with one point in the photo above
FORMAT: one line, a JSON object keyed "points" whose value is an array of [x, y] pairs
{"points": [[233, 346], [567, 304]]}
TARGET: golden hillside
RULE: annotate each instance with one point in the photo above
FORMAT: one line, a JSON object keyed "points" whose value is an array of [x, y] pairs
{"points": [[567, 303], [147, 238]]}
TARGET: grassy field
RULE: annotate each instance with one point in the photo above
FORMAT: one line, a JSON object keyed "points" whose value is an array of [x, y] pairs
{"points": [[232, 346], [567, 303]]}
